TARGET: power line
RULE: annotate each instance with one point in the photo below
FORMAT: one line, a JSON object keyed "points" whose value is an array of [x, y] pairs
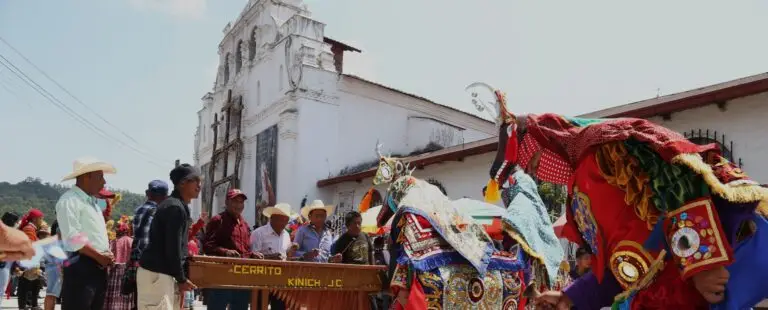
{"points": [[62, 106], [5, 85], [75, 97]]}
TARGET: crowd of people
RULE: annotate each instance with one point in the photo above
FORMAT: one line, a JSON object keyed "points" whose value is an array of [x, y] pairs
{"points": [[140, 261]]}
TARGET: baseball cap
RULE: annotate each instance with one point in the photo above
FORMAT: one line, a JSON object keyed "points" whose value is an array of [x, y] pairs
{"points": [[232, 193], [158, 187]]}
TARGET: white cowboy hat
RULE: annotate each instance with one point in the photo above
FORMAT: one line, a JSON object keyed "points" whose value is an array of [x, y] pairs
{"points": [[88, 164], [283, 209], [316, 205]]}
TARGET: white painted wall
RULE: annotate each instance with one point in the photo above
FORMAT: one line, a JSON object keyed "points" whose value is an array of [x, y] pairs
{"points": [[401, 123], [460, 179], [743, 122]]}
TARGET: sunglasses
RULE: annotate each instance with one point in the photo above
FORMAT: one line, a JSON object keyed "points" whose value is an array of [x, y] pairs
{"points": [[53, 250]]}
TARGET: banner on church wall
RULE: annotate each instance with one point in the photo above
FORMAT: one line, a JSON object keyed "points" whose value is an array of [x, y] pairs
{"points": [[219, 196], [206, 192], [266, 171]]}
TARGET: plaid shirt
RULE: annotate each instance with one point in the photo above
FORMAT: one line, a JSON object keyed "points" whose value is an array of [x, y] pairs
{"points": [[142, 220]]}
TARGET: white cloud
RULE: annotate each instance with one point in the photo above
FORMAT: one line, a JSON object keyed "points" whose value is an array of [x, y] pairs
{"points": [[187, 9]]}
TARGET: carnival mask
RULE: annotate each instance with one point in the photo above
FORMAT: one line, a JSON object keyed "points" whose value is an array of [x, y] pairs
{"points": [[390, 169], [395, 173]]}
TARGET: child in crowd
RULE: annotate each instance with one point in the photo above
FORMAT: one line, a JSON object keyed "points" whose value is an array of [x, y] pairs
{"points": [[194, 249], [52, 276]]}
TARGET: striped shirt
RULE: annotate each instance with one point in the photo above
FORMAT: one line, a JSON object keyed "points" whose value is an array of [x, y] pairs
{"points": [[142, 221]]}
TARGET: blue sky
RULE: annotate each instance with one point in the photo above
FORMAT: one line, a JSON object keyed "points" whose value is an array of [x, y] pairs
{"points": [[144, 64]]}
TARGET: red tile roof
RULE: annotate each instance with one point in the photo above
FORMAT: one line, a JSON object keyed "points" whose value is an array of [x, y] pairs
{"points": [[341, 44], [694, 98], [419, 161]]}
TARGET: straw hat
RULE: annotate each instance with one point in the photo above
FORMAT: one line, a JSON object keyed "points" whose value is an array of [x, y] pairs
{"points": [[283, 209], [316, 205], [85, 165]]}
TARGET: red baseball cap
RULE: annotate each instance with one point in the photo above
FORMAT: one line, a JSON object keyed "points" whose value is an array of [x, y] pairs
{"points": [[233, 193]]}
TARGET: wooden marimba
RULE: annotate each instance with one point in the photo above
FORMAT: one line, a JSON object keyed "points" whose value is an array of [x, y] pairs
{"points": [[301, 285]]}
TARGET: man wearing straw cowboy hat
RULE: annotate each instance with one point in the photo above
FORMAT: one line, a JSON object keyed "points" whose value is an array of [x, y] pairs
{"points": [[314, 240], [85, 280], [272, 241]]}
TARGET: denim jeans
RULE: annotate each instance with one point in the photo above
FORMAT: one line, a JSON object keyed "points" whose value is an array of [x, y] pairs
{"points": [[218, 299], [5, 278], [189, 299], [53, 279]]}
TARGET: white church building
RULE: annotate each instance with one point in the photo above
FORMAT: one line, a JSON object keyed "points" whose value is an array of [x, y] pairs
{"points": [[282, 110]]}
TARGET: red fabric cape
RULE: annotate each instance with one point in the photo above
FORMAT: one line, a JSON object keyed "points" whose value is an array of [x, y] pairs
{"points": [[570, 141]]}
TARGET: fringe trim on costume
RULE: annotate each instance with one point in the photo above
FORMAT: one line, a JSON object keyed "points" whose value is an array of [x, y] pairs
{"points": [[523, 244], [739, 194], [762, 208], [655, 268], [621, 169], [506, 265]]}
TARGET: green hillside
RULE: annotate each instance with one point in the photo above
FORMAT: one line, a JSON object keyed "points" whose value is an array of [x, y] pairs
{"points": [[33, 193]]}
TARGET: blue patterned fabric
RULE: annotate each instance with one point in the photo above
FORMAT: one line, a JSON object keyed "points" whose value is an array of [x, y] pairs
{"points": [[527, 216], [448, 256], [749, 265]]}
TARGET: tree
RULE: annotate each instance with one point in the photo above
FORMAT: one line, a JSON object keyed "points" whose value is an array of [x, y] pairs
{"points": [[32, 193], [554, 197]]}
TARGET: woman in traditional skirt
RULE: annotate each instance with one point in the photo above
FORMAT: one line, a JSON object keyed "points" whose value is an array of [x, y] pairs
{"points": [[121, 248]]}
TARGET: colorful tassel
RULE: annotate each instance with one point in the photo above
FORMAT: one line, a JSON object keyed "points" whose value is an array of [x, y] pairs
{"points": [[365, 204], [492, 194]]}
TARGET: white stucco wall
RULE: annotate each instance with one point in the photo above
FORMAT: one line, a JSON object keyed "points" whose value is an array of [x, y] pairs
{"points": [[743, 121], [460, 179], [401, 123]]}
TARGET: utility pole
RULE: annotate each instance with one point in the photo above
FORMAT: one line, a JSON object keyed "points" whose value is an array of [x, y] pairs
{"points": [[178, 163]]}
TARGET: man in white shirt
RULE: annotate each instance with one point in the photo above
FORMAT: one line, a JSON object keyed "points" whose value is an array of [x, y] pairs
{"points": [[272, 241], [77, 212]]}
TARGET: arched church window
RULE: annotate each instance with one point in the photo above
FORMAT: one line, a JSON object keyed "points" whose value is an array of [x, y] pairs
{"points": [[239, 56], [252, 44], [226, 68], [213, 125], [258, 93], [704, 137], [376, 198]]}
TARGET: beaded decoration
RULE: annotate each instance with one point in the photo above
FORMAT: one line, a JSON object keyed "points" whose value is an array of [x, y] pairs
{"points": [[582, 215], [694, 236], [629, 263]]}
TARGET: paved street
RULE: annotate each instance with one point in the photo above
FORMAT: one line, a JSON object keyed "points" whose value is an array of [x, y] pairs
{"points": [[13, 304]]}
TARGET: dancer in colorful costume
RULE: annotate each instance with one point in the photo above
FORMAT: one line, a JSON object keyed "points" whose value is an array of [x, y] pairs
{"points": [[648, 202], [443, 259]]}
